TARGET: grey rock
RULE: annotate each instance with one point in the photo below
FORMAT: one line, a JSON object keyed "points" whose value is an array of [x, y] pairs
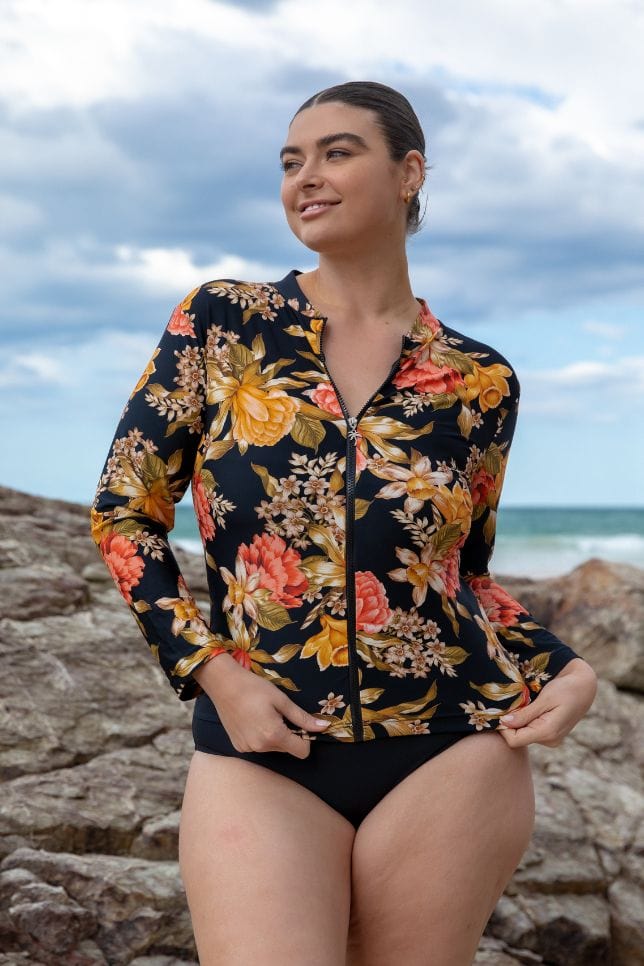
{"points": [[598, 608], [95, 746]]}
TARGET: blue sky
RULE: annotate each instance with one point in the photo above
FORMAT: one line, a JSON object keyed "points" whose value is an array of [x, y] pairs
{"points": [[139, 158]]}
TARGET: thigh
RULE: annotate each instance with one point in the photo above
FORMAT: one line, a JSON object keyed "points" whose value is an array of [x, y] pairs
{"points": [[265, 864], [431, 860]]}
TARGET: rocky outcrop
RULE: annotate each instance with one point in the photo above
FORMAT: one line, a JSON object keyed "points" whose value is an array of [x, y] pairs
{"points": [[94, 751], [598, 609]]}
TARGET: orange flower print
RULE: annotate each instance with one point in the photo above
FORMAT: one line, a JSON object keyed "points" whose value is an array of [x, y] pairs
{"points": [[501, 608], [428, 320], [482, 484], [278, 566], [426, 376], [205, 520], [181, 324], [324, 397], [123, 563], [372, 607]]}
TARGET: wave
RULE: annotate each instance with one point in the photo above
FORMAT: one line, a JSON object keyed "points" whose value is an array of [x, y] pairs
{"points": [[190, 546], [556, 555], [537, 556]]}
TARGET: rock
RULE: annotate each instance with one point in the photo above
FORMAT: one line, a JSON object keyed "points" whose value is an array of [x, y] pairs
{"points": [[565, 929], [95, 746], [598, 608], [122, 802], [119, 907]]}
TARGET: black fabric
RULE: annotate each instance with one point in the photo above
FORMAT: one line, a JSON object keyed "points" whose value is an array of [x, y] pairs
{"points": [[351, 777]]}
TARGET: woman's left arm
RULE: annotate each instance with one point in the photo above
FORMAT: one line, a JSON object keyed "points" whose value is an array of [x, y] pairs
{"points": [[560, 684]]}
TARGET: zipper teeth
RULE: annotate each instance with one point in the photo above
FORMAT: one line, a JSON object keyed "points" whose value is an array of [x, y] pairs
{"points": [[352, 421]]}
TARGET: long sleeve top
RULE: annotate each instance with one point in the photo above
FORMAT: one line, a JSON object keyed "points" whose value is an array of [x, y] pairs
{"points": [[347, 556]]}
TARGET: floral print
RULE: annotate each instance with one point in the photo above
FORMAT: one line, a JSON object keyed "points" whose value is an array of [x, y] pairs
{"points": [[347, 556]]}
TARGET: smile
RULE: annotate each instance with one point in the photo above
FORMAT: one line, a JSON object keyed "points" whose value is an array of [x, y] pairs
{"points": [[315, 209]]}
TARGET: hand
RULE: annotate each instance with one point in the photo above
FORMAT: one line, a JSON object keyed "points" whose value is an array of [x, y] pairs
{"points": [[560, 704], [252, 709]]}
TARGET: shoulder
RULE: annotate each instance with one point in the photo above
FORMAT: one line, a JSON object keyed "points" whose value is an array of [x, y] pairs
{"points": [[491, 363], [223, 302], [225, 292]]}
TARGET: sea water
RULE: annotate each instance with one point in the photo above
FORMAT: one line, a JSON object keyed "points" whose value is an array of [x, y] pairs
{"points": [[530, 541]]}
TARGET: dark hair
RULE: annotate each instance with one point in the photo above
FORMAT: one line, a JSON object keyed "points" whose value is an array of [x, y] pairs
{"points": [[394, 115]]}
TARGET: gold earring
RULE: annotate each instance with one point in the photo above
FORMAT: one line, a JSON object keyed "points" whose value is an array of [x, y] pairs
{"points": [[407, 197]]}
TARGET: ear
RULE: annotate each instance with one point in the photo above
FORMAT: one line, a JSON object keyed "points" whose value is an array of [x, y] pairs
{"points": [[413, 170]]}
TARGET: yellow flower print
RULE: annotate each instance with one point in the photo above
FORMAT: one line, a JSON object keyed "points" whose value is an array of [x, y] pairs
{"points": [[421, 572], [419, 482], [240, 590], [489, 384], [455, 505], [147, 372], [184, 607], [261, 417], [329, 645]]}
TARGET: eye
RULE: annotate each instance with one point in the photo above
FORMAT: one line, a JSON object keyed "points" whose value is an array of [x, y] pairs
{"points": [[287, 165]]}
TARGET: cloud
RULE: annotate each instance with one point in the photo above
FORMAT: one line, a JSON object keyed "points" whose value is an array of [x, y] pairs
{"points": [[591, 372], [25, 369], [172, 269], [606, 330], [585, 391]]}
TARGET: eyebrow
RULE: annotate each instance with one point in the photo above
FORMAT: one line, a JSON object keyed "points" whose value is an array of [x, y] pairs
{"points": [[325, 141]]}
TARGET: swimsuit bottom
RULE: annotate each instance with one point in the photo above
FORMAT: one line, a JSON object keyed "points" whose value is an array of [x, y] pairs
{"points": [[351, 777]]}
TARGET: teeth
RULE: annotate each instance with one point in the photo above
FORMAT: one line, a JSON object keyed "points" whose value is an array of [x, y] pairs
{"points": [[313, 207]]}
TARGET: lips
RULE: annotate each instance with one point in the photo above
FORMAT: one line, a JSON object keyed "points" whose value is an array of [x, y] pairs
{"points": [[306, 205]]}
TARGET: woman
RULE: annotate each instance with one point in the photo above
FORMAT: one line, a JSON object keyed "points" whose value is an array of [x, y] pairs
{"points": [[358, 790]]}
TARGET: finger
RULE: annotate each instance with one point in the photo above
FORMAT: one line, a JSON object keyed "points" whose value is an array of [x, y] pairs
{"points": [[293, 744], [298, 716]]}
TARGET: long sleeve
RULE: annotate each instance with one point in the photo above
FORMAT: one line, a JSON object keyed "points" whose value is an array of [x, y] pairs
{"points": [[538, 653], [147, 471]]}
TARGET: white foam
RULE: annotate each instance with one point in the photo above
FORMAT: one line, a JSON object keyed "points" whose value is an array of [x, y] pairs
{"points": [[190, 546], [553, 556]]}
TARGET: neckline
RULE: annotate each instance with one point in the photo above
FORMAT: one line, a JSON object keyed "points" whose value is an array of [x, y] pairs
{"points": [[417, 327]]}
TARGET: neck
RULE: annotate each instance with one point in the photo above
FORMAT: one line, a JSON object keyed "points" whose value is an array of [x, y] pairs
{"points": [[368, 288]]}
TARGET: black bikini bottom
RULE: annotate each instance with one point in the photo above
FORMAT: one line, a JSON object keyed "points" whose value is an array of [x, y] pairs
{"points": [[351, 777]]}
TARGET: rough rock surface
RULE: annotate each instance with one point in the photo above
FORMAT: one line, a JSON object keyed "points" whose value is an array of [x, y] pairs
{"points": [[94, 750]]}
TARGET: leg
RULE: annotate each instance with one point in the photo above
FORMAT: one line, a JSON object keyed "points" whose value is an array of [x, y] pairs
{"points": [[431, 860], [266, 866]]}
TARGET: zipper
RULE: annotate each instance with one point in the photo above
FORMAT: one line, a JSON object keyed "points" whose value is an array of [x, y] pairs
{"points": [[350, 482]]}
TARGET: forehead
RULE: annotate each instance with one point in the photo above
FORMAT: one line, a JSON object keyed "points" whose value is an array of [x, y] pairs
{"points": [[322, 119]]}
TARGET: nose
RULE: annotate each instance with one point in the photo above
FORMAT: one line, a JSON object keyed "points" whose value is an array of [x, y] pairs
{"points": [[307, 175]]}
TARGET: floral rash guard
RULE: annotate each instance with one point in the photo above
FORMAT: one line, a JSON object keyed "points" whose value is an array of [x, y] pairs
{"points": [[347, 557]]}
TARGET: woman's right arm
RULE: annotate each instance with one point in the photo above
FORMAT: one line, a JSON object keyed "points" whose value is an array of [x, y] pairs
{"points": [[147, 471], [153, 457]]}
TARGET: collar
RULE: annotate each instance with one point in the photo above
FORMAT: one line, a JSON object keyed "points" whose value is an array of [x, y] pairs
{"points": [[424, 328]]}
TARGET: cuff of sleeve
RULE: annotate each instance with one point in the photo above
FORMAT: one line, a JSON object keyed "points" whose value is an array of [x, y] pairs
{"points": [[559, 658], [188, 687]]}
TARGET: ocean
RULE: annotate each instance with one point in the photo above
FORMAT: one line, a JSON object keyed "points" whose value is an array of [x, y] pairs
{"points": [[530, 541]]}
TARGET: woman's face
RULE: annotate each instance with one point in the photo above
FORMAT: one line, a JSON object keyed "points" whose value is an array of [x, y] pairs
{"points": [[362, 187]]}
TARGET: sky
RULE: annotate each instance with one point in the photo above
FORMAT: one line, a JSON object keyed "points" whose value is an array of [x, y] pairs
{"points": [[139, 149]]}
